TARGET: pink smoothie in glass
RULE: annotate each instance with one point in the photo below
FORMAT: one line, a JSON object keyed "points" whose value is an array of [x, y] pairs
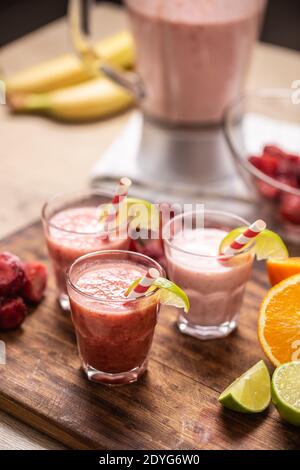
{"points": [[72, 233], [215, 290], [193, 55], [114, 335]]}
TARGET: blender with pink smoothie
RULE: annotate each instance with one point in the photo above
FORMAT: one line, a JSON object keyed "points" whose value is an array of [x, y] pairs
{"points": [[71, 226], [192, 59], [215, 288], [193, 55], [114, 334]]}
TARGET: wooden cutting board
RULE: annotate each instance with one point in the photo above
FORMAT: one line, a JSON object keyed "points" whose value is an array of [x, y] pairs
{"points": [[173, 406]]}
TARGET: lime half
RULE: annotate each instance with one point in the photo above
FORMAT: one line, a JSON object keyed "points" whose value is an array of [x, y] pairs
{"points": [[250, 393], [138, 212], [169, 293], [266, 245], [286, 391]]}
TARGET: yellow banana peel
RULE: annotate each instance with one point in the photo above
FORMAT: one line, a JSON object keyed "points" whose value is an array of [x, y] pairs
{"points": [[68, 69], [91, 100]]}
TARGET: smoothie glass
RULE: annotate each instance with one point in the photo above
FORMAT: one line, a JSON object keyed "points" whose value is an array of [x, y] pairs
{"points": [[114, 335], [71, 229], [215, 289]]}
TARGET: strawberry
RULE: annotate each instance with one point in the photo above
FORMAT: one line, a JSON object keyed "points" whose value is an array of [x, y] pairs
{"points": [[269, 165], [255, 161], [289, 180], [11, 274], [290, 208], [35, 281], [266, 190], [293, 158], [12, 313], [285, 168], [273, 151]]}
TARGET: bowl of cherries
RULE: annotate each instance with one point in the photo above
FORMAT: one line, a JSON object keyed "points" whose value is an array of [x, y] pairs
{"points": [[263, 131]]}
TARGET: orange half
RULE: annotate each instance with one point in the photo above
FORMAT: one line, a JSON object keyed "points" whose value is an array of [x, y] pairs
{"points": [[279, 322], [278, 270]]}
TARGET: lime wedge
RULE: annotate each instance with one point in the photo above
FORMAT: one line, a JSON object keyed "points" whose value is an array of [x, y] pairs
{"points": [[169, 293], [142, 214], [286, 391], [251, 392], [266, 245], [139, 212]]}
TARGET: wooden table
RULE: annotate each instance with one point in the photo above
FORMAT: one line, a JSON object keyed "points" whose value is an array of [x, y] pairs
{"points": [[40, 157]]}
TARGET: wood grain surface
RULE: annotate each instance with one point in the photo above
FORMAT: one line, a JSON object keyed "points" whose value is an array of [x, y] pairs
{"points": [[173, 406]]}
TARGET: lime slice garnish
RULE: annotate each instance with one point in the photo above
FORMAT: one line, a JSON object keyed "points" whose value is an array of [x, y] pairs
{"points": [[140, 213], [286, 391], [251, 392], [169, 293], [266, 245]]}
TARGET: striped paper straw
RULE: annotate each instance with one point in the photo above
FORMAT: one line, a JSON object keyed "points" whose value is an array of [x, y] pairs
{"points": [[118, 199], [242, 240], [145, 283]]}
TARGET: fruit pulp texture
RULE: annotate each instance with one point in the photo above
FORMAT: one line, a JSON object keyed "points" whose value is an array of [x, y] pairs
{"points": [[193, 55], [114, 335], [73, 233], [214, 289]]}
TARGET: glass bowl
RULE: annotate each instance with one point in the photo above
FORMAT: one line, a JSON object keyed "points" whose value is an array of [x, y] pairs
{"points": [[263, 131]]}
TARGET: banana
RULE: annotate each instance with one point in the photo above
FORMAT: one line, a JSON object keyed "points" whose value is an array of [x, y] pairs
{"points": [[87, 101], [68, 69]]}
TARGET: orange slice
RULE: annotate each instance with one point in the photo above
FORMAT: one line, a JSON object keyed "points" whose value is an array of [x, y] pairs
{"points": [[279, 322], [278, 270]]}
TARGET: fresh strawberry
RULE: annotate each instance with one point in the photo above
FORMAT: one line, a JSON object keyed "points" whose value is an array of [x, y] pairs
{"points": [[295, 169], [273, 151], [12, 313], [290, 208], [293, 158], [266, 190], [269, 165], [35, 281], [288, 180], [255, 161], [11, 274], [281, 166]]}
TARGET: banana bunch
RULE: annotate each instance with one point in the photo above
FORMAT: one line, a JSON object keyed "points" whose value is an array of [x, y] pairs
{"points": [[83, 102], [66, 88]]}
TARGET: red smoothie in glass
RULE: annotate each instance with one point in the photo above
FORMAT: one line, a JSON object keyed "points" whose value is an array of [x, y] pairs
{"points": [[72, 233], [114, 335]]}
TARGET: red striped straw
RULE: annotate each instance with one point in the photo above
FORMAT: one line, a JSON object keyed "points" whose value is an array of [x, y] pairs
{"points": [[145, 283], [242, 240], [118, 199]]}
